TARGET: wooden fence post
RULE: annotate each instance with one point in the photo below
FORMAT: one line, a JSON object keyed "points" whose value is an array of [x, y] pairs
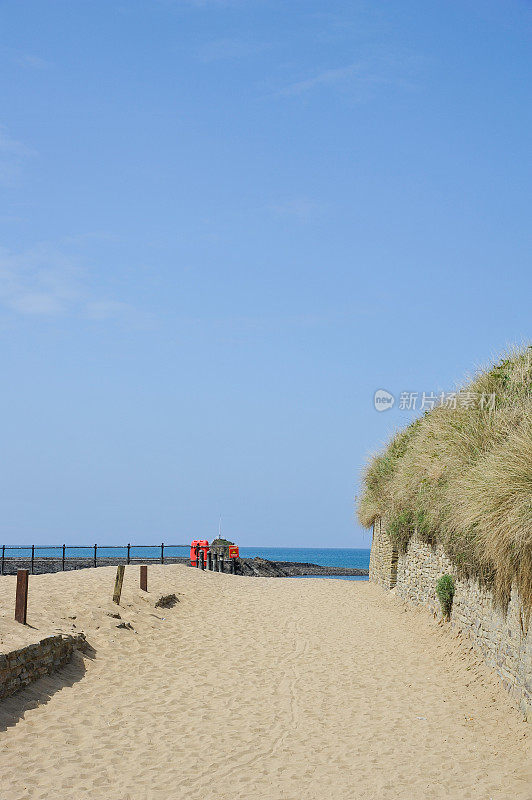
{"points": [[118, 583], [144, 577], [63, 558], [209, 560], [21, 599]]}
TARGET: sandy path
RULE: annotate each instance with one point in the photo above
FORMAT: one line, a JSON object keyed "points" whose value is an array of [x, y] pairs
{"points": [[254, 687]]}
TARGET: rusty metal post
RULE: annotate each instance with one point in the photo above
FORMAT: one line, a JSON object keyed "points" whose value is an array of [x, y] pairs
{"points": [[21, 598], [144, 577]]}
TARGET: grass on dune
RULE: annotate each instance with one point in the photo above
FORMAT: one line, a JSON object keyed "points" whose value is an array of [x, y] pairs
{"points": [[463, 477]]}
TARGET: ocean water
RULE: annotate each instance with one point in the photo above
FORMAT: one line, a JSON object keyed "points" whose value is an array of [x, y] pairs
{"points": [[327, 556]]}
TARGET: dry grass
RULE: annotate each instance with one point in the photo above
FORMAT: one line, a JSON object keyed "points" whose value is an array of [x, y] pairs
{"points": [[463, 477]]}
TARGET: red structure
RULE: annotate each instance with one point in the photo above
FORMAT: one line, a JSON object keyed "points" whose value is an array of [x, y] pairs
{"points": [[194, 553], [195, 547]]}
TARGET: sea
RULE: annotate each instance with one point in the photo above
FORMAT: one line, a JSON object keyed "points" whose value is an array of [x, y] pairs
{"points": [[325, 556]]}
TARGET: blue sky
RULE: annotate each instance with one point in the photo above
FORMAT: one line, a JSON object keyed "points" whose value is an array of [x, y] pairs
{"points": [[224, 225]]}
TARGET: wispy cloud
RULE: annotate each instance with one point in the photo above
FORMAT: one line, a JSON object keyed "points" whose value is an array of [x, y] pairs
{"points": [[327, 77], [23, 59], [45, 281], [40, 281], [31, 61], [360, 79]]}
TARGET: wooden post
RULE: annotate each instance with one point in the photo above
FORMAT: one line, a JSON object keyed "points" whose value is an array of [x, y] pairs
{"points": [[118, 583], [222, 563], [32, 558], [144, 577], [95, 551], [63, 559], [232, 566], [21, 599], [197, 556], [202, 558], [162, 553], [128, 553], [209, 560], [3, 557]]}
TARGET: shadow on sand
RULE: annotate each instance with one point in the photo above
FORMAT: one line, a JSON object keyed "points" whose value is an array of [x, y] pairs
{"points": [[12, 709]]}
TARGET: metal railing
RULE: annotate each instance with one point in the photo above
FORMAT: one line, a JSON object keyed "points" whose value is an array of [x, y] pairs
{"points": [[65, 553]]}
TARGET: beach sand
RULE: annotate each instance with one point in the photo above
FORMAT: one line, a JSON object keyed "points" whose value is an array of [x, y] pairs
{"points": [[253, 688]]}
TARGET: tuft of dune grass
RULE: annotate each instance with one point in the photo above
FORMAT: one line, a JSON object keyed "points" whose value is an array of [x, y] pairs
{"points": [[463, 477]]}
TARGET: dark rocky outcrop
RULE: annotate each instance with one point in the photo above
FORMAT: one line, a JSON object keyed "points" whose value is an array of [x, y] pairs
{"points": [[261, 567]]}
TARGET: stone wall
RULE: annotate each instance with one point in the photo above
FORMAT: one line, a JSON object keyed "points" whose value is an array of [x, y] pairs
{"points": [[383, 558], [502, 636], [20, 667]]}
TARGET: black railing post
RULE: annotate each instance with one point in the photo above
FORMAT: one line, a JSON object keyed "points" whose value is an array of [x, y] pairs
{"points": [[3, 557], [63, 559], [95, 553], [128, 552], [162, 552], [32, 557]]}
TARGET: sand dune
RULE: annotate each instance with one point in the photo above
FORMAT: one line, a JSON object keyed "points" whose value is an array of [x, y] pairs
{"points": [[273, 688]]}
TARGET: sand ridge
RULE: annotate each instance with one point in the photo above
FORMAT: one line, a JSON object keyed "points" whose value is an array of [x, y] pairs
{"points": [[280, 688]]}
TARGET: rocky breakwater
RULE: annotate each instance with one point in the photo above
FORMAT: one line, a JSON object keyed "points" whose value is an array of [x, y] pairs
{"points": [[262, 568]]}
